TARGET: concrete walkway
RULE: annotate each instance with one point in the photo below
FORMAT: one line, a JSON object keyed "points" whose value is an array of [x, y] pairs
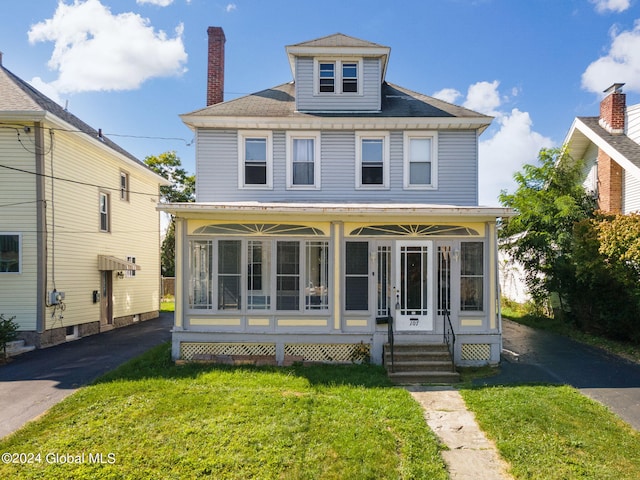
{"points": [[470, 455], [35, 381]]}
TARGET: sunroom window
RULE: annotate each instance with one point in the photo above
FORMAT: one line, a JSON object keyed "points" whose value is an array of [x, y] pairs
{"points": [[471, 276]]}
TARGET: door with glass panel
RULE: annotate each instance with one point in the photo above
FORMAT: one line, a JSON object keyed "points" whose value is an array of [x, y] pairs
{"points": [[414, 286]]}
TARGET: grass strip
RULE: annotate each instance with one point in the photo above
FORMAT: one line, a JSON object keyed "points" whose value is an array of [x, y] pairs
{"points": [[554, 432]]}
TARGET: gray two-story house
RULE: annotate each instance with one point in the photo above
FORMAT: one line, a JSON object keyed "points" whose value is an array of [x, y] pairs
{"points": [[334, 212]]}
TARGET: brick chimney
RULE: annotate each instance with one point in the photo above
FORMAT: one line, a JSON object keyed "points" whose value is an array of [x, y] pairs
{"points": [[612, 119], [215, 69], [612, 109]]}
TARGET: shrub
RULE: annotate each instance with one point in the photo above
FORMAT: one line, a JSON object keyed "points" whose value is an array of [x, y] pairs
{"points": [[8, 332]]}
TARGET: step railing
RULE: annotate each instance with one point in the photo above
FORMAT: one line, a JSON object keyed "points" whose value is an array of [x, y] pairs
{"points": [[449, 337]]}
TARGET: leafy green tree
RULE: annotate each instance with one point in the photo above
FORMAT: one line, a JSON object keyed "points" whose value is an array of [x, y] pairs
{"points": [[549, 200], [182, 189]]}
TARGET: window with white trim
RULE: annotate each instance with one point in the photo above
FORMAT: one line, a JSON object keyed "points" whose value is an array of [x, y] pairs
{"points": [[124, 186], [356, 281], [471, 276], [303, 160], [372, 160], [104, 208], [259, 274], [10, 253], [336, 76], [255, 159], [131, 273], [420, 160]]}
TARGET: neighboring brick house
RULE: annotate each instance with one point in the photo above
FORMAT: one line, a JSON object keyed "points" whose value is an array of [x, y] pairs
{"points": [[329, 206], [610, 145], [79, 231]]}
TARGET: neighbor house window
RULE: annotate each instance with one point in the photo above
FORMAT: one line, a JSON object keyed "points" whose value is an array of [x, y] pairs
{"points": [[372, 160], [357, 276], [131, 273], [338, 76], [10, 254], [420, 162], [471, 276], [303, 160], [124, 186], [255, 159], [105, 219]]}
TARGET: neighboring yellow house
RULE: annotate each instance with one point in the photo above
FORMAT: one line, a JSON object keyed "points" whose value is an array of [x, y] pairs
{"points": [[79, 230]]}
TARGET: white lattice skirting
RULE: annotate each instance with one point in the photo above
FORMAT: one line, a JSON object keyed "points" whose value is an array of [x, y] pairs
{"points": [[329, 352], [189, 351], [476, 351], [307, 352]]}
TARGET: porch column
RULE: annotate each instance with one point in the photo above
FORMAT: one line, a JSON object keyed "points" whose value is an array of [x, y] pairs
{"points": [[494, 298], [180, 273], [337, 232]]}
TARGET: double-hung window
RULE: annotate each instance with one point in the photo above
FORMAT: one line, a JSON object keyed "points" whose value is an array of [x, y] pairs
{"points": [[255, 160], [104, 208], [303, 160], [420, 160], [10, 254], [335, 76], [124, 186], [372, 160]]}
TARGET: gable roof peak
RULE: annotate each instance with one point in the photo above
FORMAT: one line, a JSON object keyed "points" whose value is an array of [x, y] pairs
{"points": [[337, 40]]}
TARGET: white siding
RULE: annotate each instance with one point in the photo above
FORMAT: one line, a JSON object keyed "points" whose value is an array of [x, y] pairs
{"points": [[217, 167], [630, 193], [633, 123], [591, 169], [75, 240], [18, 215], [368, 101]]}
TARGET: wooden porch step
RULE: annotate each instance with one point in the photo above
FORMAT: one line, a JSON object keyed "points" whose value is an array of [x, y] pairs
{"points": [[420, 363]]}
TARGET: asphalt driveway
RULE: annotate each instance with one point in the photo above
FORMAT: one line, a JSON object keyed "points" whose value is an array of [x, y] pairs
{"points": [[35, 381], [533, 356]]}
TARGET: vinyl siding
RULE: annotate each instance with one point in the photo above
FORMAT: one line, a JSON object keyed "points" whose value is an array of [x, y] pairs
{"points": [[633, 123], [591, 168], [369, 100], [18, 215], [217, 167], [630, 194], [75, 240]]}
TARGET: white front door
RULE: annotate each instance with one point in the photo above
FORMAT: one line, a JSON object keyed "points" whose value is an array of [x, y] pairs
{"points": [[414, 289]]}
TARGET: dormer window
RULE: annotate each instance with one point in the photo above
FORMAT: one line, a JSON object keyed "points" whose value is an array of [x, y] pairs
{"points": [[338, 76]]}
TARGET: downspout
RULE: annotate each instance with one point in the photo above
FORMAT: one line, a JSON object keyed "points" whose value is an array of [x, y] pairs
{"points": [[41, 229]]}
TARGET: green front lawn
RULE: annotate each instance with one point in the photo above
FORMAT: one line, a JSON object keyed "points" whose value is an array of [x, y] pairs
{"points": [[554, 432], [152, 419]]}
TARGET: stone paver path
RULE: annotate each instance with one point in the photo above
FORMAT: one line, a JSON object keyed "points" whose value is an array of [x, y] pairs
{"points": [[471, 455]]}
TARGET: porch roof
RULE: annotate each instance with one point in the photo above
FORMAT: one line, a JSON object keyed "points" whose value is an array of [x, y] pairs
{"points": [[343, 210]]}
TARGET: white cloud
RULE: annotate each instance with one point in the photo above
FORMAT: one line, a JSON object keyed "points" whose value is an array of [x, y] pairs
{"points": [[449, 95], [96, 50], [230, 7], [620, 65], [500, 156], [160, 3], [483, 97], [47, 89], [618, 6]]}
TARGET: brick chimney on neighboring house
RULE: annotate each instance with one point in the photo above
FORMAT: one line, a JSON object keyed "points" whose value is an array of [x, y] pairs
{"points": [[215, 68], [612, 119]]}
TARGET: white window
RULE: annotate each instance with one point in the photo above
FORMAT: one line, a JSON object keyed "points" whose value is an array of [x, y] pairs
{"points": [[372, 160], [334, 76], [105, 219], [471, 276], [124, 186], [10, 253], [420, 160], [303, 160], [255, 159], [131, 273]]}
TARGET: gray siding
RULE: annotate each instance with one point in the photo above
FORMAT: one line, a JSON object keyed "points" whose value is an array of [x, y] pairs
{"points": [[217, 167], [368, 101]]}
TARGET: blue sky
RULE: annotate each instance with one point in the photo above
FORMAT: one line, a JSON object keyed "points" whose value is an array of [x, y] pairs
{"points": [[130, 67]]}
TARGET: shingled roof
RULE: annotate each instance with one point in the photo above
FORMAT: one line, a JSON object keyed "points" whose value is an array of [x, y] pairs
{"points": [[621, 143], [280, 101], [16, 95], [337, 40]]}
